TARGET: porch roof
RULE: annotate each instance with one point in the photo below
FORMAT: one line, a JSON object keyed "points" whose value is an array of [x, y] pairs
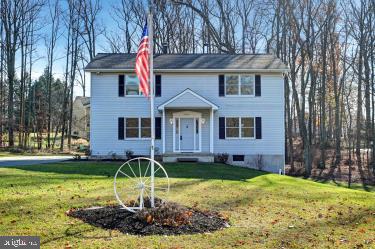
{"points": [[188, 99]]}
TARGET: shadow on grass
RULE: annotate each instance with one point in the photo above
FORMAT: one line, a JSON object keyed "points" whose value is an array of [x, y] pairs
{"points": [[355, 186], [175, 170]]}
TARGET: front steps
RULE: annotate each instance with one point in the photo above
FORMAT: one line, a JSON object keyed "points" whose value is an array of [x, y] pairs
{"points": [[188, 157]]}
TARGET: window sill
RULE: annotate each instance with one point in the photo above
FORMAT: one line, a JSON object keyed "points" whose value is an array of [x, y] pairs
{"points": [[135, 138], [239, 96], [240, 138]]}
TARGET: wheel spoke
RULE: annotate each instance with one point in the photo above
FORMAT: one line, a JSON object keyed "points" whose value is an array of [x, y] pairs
{"points": [[139, 168], [131, 169], [146, 192], [129, 192], [148, 165], [131, 178], [148, 178], [156, 170]]}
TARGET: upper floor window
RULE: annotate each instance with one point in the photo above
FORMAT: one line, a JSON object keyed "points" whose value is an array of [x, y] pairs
{"points": [[132, 85], [239, 84]]}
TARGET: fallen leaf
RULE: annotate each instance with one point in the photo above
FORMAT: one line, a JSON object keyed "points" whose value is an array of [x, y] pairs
{"points": [[274, 222], [149, 219]]}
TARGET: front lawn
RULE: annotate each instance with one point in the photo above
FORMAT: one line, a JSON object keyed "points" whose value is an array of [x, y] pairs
{"points": [[265, 210]]}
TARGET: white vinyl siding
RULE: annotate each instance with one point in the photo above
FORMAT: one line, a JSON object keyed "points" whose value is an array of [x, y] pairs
{"points": [[106, 109]]}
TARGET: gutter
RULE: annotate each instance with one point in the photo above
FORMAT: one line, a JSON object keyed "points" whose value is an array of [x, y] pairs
{"points": [[127, 70]]}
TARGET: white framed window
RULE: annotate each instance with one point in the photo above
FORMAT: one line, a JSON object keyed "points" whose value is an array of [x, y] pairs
{"points": [[132, 128], [145, 127], [247, 84], [137, 128], [132, 85], [240, 127], [231, 84], [232, 127], [239, 84], [247, 127]]}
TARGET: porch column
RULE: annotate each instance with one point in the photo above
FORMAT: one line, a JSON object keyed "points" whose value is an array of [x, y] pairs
{"points": [[163, 129], [212, 131]]}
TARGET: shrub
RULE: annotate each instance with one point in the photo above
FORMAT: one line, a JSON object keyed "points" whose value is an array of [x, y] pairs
{"points": [[157, 150], [129, 154], [321, 165], [222, 157], [88, 152], [113, 155], [77, 157], [16, 150]]}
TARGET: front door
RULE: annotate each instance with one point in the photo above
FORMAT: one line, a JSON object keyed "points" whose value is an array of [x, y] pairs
{"points": [[187, 134]]}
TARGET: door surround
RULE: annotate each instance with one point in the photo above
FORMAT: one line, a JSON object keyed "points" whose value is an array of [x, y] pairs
{"points": [[187, 114]]}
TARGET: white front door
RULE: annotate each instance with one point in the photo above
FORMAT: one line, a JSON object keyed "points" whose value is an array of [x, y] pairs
{"points": [[187, 133]]}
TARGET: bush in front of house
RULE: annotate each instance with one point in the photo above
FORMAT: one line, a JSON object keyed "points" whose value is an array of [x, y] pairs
{"points": [[129, 154], [221, 157]]}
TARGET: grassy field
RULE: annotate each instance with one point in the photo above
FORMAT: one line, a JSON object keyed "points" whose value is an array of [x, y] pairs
{"points": [[265, 210]]}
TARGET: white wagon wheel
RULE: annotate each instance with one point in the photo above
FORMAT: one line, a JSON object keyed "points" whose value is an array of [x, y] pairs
{"points": [[132, 184]]}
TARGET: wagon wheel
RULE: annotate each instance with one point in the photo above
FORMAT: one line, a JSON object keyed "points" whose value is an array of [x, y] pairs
{"points": [[132, 184]]}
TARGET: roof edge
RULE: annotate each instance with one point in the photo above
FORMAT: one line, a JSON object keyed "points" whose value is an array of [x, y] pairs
{"points": [[187, 90], [266, 70]]}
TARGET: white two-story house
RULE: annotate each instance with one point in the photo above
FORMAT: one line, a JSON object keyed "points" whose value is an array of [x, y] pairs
{"points": [[205, 104]]}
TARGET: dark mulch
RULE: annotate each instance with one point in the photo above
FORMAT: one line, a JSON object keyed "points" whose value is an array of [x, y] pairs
{"points": [[113, 217]]}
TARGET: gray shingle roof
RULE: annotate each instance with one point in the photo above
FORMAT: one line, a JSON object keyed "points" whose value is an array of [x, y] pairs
{"points": [[108, 61]]}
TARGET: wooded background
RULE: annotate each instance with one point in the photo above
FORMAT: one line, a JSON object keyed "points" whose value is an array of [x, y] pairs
{"points": [[328, 45]]}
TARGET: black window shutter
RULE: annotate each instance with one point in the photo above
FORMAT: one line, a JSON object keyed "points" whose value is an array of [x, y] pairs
{"points": [[157, 85], [258, 85], [221, 86], [258, 128], [158, 128], [221, 127], [121, 86], [121, 128]]}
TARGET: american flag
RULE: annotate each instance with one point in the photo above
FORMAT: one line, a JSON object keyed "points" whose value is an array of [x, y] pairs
{"points": [[142, 63]]}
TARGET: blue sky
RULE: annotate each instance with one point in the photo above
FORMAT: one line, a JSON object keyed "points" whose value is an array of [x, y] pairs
{"points": [[40, 63]]}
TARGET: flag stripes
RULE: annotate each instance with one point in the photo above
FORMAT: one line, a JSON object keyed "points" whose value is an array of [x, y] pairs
{"points": [[142, 63]]}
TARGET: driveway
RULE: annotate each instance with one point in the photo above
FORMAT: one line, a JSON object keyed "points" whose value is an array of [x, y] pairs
{"points": [[30, 160]]}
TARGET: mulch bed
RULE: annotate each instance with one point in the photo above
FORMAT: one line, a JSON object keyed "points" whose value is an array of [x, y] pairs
{"points": [[142, 223]]}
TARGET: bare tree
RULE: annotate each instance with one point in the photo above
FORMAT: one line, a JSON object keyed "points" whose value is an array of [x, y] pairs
{"points": [[54, 15]]}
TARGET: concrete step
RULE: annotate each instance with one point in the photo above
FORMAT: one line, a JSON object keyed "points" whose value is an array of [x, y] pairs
{"points": [[187, 159]]}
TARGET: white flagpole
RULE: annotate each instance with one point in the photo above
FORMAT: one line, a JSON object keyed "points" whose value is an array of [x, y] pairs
{"points": [[151, 55]]}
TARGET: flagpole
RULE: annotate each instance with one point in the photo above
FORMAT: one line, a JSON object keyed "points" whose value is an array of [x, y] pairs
{"points": [[152, 94]]}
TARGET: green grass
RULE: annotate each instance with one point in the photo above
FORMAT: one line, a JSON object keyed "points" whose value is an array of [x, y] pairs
{"points": [[265, 210]]}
